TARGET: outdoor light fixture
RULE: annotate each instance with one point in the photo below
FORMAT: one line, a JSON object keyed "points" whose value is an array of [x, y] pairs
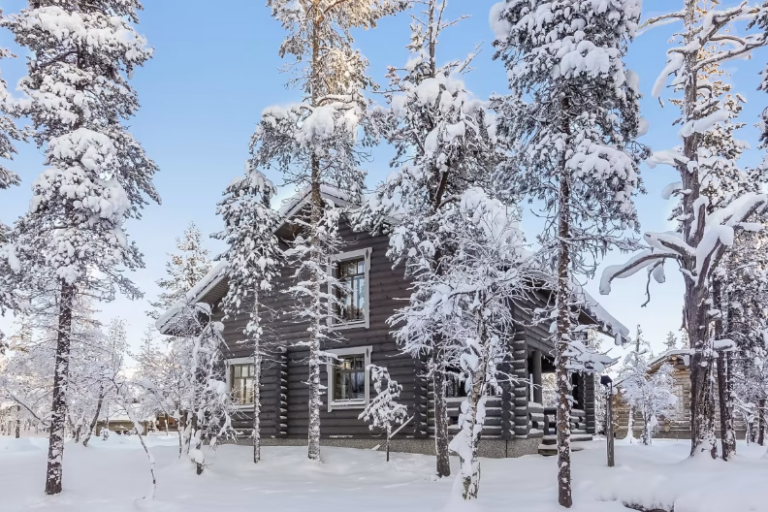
{"points": [[606, 381]]}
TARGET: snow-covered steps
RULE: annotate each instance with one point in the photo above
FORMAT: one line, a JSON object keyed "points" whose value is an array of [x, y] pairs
{"points": [[548, 446]]}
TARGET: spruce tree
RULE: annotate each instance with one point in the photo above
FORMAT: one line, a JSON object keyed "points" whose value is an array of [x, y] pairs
{"points": [[572, 120], [8, 131], [253, 262], [671, 341], [313, 144], [71, 241], [10, 269], [184, 269]]}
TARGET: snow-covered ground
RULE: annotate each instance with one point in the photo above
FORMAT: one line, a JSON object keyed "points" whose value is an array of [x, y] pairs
{"points": [[113, 476]]}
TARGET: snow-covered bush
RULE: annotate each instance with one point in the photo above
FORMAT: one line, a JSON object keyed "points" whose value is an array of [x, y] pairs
{"points": [[649, 393], [383, 411]]}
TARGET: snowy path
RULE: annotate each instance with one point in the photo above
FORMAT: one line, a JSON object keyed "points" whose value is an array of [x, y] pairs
{"points": [[111, 476]]}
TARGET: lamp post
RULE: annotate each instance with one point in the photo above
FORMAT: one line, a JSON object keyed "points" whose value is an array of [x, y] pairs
{"points": [[606, 381]]}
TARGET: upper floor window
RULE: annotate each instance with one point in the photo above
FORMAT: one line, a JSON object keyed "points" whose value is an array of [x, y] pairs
{"points": [[352, 269], [352, 298]]}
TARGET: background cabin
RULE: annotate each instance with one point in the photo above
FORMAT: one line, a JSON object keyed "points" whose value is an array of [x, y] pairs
{"points": [[678, 424]]}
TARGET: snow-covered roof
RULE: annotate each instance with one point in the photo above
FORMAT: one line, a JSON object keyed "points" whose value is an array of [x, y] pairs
{"points": [[211, 279], [612, 326], [295, 203], [666, 355]]}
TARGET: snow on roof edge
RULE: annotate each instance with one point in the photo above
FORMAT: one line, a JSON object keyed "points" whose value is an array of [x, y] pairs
{"points": [[619, 330], [211, 279], [664, 355]]}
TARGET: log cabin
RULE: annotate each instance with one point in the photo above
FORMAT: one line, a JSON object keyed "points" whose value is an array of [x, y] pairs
{"points": [[677, 424], [517, 423]]}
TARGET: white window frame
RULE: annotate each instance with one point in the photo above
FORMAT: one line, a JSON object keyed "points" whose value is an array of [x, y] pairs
{"points": [[229, 364], [352, 351], [345, 256]]}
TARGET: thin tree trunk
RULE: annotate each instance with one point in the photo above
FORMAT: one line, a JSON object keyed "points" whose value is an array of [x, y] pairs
{"points": [[53, 474], [181, 428], [727, 433], [95, 419], [563, 332], [256, 402], [470, 470], [389, 434], [761, 422], [18, 421], [316, 214], [313, 434], [443, 460]]}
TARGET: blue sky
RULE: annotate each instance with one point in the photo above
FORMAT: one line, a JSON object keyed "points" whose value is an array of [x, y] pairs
{"points": [[216, 68]]}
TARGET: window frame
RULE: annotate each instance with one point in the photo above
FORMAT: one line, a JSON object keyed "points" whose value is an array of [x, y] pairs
{"points": [[364, 253], [351, 351], [236, 362]]}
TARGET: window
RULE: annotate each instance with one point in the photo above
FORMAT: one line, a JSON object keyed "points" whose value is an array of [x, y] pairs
{"points": [[348, 378], [351, 305], [352, 269], [241, 382]]}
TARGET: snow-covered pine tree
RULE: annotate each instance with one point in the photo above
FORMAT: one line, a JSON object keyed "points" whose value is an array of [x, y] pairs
{"points": [[76, 94], [313, 144], [481, 278], [650, 394], [253, 261], [185, 269], [211, 417], [443, 147], [8, 130], [383, 411], [642, 346], [706, 230], [572, 120], [671, 341], [9, 267], [204, 396]]}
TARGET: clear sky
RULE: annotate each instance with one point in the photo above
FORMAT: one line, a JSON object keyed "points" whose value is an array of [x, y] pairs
{"points": [[216, 68]]}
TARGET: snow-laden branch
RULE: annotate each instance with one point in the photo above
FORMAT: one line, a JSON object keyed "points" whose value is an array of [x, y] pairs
{"points": [[635, 264]]}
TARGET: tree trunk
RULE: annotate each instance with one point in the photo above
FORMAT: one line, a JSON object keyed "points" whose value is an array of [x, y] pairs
{"points": [[389, 434], [695, 301], [53, 475], [181, 427], [18, 421], [256, 403], [317, 306], [470, 469], [313, 435], [563, 332], [443, 460], [761, 422], [95, 419], [725, 396]]}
